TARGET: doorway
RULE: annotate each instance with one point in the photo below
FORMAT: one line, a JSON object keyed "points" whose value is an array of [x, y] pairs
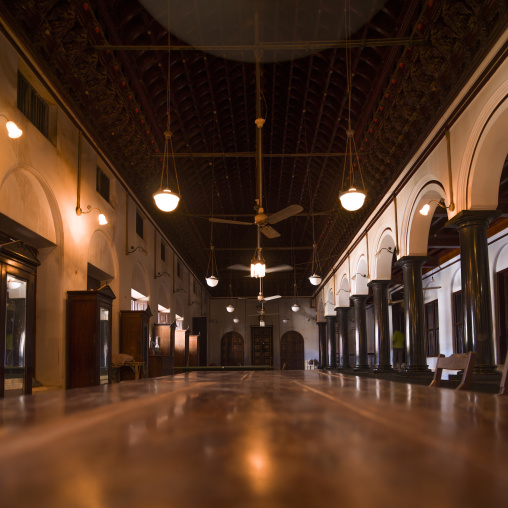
{"points": [[262, 345], [502, 312], [231, 349], [292, 351]]}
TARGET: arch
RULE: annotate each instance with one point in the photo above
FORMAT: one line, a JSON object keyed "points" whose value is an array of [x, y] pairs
{"points": [[456, 281], [343, 293], [360, 276], [330, 303], [383, 259], [140, 280], [163, 296], [292, 351], [102, 253], [416, 227], [231, 349], [484, 155]]}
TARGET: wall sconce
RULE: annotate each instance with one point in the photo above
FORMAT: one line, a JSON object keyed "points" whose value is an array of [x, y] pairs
{"points": [[360, 274], [134, 249], [102, 218], [159, 274], [391, 250], [13, 131], [431, 281], [426, 207]]}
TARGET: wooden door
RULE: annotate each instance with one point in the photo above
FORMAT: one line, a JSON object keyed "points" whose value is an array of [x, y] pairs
{"points": [[292, 351], [502, 312], [262, 345], [231, 349]]}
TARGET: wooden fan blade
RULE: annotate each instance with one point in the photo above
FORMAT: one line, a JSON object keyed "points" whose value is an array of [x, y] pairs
{"points": [[239, 267], [269, 232], [227, 221], [284, 214], [279, 268], [267, 298]]}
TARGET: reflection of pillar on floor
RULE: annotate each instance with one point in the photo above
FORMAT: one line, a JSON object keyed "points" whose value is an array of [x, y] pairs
{"points": [[330, 342], [381, 324], [342, 325], [476, 297], [362, 360], [414, 313], [322, 345]]}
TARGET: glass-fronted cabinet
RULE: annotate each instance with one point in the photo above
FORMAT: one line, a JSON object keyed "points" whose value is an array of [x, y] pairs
{"points": [[18, 264], [89, 337]]}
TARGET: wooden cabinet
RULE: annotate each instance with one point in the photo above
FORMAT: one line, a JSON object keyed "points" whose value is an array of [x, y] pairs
{"points": [[89, 337], [160, 360], [165, 332], [193, 358], [134, 326], [181, 351], [160, 365]]}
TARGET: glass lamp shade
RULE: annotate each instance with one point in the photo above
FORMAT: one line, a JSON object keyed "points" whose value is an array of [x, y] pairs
{"points": [[352, 199], [295, 307], [285, 320], [425, 209], [236, 320], [257, 268], [315, 279], [13, 131], [230, 308], [261, 323], [166, 200], [212, 281], [102, 219]]}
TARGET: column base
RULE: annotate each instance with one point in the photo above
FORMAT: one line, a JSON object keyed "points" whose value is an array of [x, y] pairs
{"points": [[361, 368], [416, 370], [330, 367], [383, 368], [344, 367], [485, 370]]}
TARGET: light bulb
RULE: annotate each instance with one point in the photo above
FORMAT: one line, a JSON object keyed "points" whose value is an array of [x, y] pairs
{"points": [[352, 199], [230, 308], [315, 279], [166, 200], [261, 323], [425, 209], [236, 320], [102, 219], [13, 131], [257, 268], [212, 281], [295, 307]]}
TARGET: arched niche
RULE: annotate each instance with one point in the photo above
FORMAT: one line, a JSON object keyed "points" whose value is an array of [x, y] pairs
{"points": [[361, 278], [231, 349], [292, 351], [344, 293], [485, 154], [163, 296], [383, 255], [456, 281], [140, 280], [25, 201], [329, 308], [102, 256], [418, 226]]}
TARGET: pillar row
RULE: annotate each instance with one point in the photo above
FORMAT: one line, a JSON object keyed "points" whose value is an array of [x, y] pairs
{"points": [[330, 342], [381, 325], [362, 361], [342, 322], [322, 345]]}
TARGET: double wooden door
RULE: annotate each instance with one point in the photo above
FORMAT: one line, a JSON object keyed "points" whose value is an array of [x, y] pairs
{"points": [[262, 345]]}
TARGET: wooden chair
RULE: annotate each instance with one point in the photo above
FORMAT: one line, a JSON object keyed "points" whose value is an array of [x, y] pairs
{"points": [[464, 361], [502, 387]]}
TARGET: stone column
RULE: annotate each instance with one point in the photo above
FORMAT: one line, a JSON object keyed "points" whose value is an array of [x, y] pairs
{"points": [[381, 325], [322, 345], [414, 313], [476, 296], [342, 321], [362, 361], [330, 342]]}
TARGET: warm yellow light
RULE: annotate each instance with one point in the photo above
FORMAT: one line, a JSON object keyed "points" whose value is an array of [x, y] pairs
{"points": [[230, 308], [261, 323], [315, 279], [425, 209], [295, 307], [212, 281], [257, 268], [166, 200], [102, 219], [13, 130], [352, 199]]}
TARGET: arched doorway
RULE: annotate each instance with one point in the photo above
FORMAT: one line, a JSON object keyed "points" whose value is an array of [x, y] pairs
{"points": [[231, 349], [291, 351]]}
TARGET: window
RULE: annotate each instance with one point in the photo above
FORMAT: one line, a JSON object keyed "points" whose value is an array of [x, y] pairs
{"points": [[32, 105], [432, 328], [102, 184], [163, 252], [194, 286], [139, 225], [458, 323], [178, 268], [138, 300]]}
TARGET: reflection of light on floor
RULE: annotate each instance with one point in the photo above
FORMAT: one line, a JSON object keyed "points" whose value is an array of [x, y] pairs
{"points": [[259, 469], [137, 432]]}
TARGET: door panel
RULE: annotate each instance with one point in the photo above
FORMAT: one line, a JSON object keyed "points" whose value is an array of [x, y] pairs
{"points": [[292, 351], [262, 345]]}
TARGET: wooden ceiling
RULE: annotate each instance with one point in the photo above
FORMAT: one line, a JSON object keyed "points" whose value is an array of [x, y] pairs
{"points": [[108, 58]]}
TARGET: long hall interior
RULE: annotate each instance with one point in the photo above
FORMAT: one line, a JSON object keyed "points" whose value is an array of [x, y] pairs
{"points": [[253, 252]]}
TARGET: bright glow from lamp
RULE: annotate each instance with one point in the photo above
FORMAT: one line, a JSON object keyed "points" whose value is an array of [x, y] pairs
{"points": [[425, 209], [352, 199], [295, 307], [315, 279], [102, 219], [261, 322], [230, 308], [166, 200], [257, 265], [285, 320], [212, 281], [236, 320], [13, 131]]}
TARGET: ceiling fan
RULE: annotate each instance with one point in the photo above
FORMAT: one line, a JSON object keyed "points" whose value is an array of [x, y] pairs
{"points": [[261, 298], [262, 220]]}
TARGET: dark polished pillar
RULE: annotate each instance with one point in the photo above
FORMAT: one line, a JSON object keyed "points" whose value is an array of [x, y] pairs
{"points": [[330, 342], [322, 345], [414, 313], [476, 297], [362, 361], [381, 325], [342, 325]]}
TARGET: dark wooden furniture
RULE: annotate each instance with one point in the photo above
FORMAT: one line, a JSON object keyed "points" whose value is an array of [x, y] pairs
{"points": [[193, 359], [456, 361], [89, 317], [161, 359], [181, 348], [18, 270], [504, 378], [200, 327], [134, 326]]}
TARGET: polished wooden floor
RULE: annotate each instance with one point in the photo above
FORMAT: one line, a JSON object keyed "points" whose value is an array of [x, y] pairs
{"points": [[261, 439]]}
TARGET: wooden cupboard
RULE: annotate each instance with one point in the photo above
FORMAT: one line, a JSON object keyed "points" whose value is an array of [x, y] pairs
{"points": [[134, 326], [89, 318], [160, 360]]}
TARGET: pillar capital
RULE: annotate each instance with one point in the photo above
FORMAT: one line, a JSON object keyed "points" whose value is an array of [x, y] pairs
{"points": [[411, 261], [472, 218], [355, 298], [379, 283]]}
